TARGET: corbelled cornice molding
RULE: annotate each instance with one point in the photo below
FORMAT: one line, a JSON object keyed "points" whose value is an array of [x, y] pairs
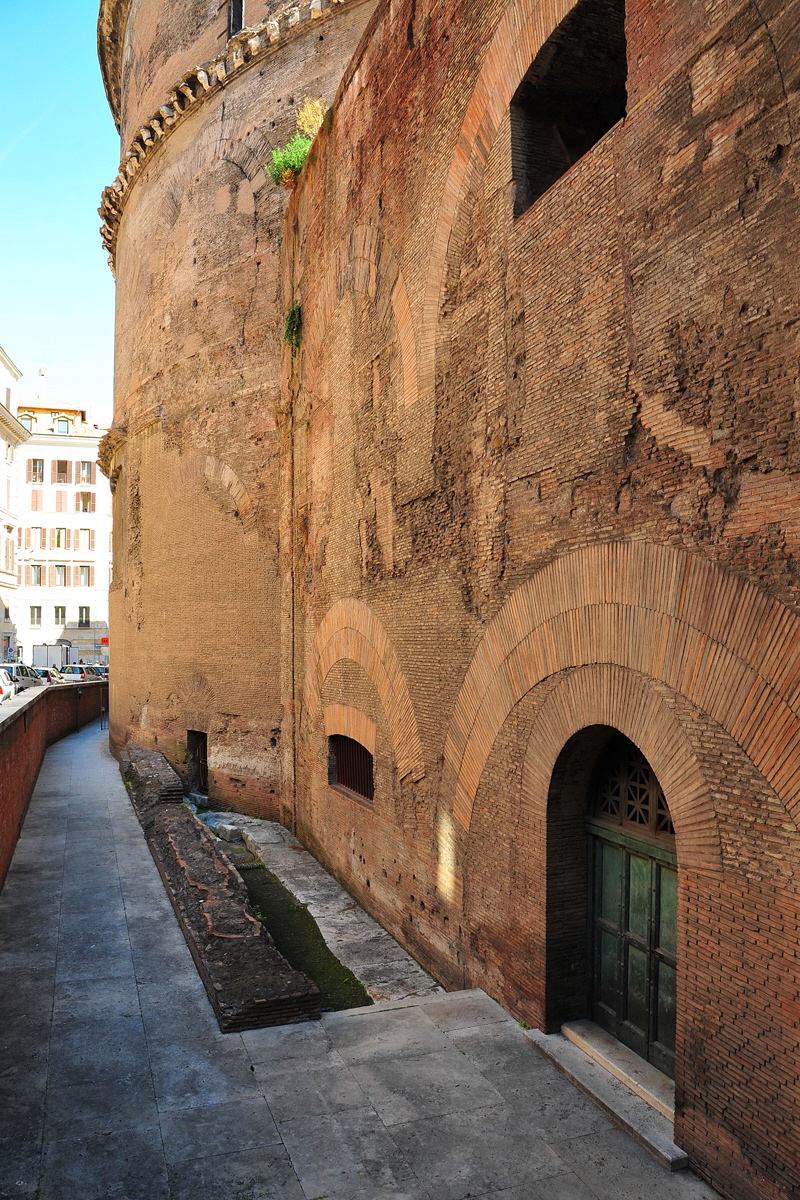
{"points": [[246, 47], [111, 24]]}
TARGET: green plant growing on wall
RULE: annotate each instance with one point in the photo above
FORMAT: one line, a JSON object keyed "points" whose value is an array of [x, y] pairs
{"points": [[287, 161], [293, 327]]}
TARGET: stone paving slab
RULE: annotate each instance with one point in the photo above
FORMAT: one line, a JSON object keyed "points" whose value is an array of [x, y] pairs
{"points": [[118, 1083]]}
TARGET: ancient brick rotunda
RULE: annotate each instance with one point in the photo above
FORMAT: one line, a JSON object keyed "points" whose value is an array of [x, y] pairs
{"points": [[488, 584]]}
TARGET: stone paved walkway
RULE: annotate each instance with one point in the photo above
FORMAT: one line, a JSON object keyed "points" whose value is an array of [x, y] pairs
{"points": [[115, 1081]]}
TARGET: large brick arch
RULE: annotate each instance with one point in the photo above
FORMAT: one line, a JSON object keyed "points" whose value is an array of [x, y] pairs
{"points": [[219, 473], [521, 32], [710, 636], [350, 629], [650, 715]]}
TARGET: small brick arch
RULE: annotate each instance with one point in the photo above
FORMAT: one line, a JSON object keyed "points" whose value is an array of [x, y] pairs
{"points": [[350, 629], [636, 706], [363, 263], [710, 636], [217, 472]]}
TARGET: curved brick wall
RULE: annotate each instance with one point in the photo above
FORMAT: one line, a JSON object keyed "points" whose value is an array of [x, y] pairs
{"points": [[523, 478]]}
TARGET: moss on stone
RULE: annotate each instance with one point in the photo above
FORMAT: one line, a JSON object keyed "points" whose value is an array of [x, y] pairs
{"points": [[297, 937]]}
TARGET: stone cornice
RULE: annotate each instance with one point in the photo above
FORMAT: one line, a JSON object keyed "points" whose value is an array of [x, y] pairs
{"points": [[111, 22], [11, 429], [9, 365], [246, 47], [112, 441]]}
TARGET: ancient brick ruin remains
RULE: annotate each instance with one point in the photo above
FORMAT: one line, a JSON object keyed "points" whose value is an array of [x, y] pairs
{"points": [[499, 565]]}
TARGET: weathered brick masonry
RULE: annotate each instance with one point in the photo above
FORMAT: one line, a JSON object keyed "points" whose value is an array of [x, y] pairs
{"points": [[528, 479]]}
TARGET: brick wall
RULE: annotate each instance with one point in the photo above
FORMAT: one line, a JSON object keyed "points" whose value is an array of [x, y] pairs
{"points": [[51, 713], [524, 477]]}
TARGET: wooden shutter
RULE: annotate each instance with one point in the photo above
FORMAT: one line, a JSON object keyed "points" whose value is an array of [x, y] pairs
{"points": [[52, 539], [91, 576], [67, 574], [29, 471], [94, 502], [27, 539], [19, 536], [78, 473], [69, 471], [94, 473], [54, 470], [19, 575], [77, 502], [51, 576], [27, 574], [91, 539], [76, 577], [69, 539], [36, 500]]}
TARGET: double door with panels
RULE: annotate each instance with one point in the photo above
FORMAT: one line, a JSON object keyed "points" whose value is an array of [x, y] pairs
{"points": [[634, 943]]}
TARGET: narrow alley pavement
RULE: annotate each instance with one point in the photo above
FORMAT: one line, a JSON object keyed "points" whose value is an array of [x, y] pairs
{"points": [[116, 1082]]}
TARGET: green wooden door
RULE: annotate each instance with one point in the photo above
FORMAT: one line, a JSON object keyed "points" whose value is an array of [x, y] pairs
{"points": [[634, 936]]}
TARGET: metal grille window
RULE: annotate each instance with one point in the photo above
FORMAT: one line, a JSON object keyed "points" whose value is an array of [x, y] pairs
{"points": [[629, 795], [350, 766]]}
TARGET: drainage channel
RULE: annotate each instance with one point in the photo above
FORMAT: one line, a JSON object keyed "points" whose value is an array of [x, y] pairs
{"points": [[315, 923]]}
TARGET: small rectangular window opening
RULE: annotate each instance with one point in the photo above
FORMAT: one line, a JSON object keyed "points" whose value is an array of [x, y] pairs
{"points": [[350, 767], [197, 760], [235, 17]]}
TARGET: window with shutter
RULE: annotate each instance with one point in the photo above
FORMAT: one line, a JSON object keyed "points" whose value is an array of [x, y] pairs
{"points": [[91, 539], [27, 539], [29, 471], [54, 471], [76, 578], [27, 575], [36, 500], [94, 473], [67, 538], [94, 503], [19, 536], [91, 576], [51, 576]]}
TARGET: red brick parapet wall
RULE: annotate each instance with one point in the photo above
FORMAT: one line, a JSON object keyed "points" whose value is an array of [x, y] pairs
{"points": [[25, 734]]}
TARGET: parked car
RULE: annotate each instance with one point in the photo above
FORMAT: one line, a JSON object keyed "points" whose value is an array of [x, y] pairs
{"points": [[78, 671], [7, 686], [50, 675], [24, 677]]}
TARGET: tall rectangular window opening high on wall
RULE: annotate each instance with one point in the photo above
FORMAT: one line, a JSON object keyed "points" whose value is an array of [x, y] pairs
{"points": [[235, 16], [350, 767], [572, 94]]}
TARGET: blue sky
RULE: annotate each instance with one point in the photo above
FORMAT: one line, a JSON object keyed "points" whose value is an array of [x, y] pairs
{"points": [[58, 150]]}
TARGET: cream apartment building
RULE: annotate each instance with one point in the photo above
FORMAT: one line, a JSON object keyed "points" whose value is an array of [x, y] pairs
{"points": [[12, 435], [64, 536]]}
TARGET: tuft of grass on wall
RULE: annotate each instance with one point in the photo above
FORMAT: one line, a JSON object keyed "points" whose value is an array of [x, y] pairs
{"points": [[293, 327], [288, 158]]}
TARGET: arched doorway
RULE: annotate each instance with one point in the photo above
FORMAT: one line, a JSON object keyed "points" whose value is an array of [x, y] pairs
{"points": [[633, 888]]}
